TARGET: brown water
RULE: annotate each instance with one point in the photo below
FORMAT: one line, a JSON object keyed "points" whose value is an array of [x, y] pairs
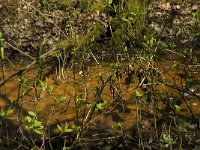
{"points": [[78, 87]]}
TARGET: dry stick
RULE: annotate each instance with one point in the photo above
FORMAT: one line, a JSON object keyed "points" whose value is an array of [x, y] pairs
{"points": [[90, 112], [10, 62], [75, 92], [182, 90], [176, 53], [94, 57], [188, 92], [28, 67], [15, 48], [98, 139], [15, 141], [46, 127], [6, 98]]}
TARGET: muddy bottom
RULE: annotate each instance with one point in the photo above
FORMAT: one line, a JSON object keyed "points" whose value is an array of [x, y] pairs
{"points": [[67, 97]]}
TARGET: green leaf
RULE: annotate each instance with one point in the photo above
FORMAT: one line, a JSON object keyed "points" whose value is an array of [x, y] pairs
{"points": [[2, 53], [22, 81], [138, 94], [68, 130], [2, 113], [109, 2], [120, 124], [174, 65], [163, 96], [124, 19], [126, 50], [37, 131], [59, 128], [32, 113], [37, 124], [101, 106], [166, 137], [75, 127], [177, 108], [62, 98], [1, 35], [9, 111], [43, 85], [6, 114], [50, 89], [89, 105], [28, 118]]}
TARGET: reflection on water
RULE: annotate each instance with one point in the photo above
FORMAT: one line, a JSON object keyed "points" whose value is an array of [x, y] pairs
{"points": [[69, 99]]}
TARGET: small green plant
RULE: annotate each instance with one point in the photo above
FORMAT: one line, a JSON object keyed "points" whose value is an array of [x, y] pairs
{"points": [[1, 47], [142, 98], [167, 140], [150, 42], [23, 84], [138, 94], [33, 124], [196, 15], [101, 106], [171, 103], [60, 97], [6, 114], [46, 88], [66, 129]]}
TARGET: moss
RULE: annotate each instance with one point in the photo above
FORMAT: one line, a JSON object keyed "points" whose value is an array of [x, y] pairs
{"points": [[93, 33], [115, 24]]}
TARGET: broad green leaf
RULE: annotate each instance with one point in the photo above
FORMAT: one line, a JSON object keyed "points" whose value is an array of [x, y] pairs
{"points": [[68, 130], [166, 137], [120, 124], [37, 123], [28, 118], [32, 113], [37, 131]]}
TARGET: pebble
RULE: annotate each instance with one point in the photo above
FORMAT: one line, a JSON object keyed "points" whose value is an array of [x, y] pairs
{"points": [[194, 8], [166, 6], [190, 90], [177, 7], [194, 104]]}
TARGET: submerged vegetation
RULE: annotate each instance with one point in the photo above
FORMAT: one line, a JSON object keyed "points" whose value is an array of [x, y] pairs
{"points": [[103, 74]]}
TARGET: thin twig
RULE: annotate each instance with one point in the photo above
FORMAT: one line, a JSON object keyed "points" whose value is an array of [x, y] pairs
{"points": [[19, 50]]}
